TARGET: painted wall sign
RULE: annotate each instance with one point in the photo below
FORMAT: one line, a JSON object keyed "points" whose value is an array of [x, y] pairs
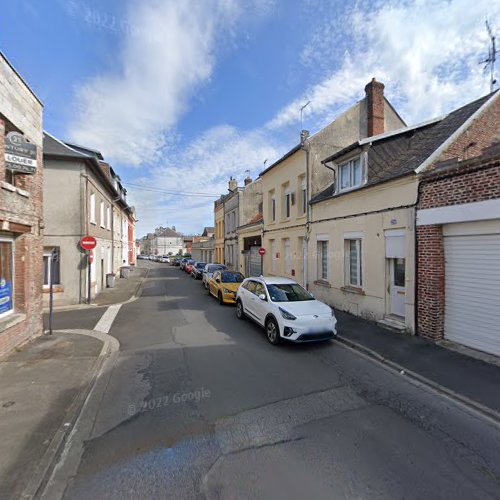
{"points": [[5, 296], [20, 155]]}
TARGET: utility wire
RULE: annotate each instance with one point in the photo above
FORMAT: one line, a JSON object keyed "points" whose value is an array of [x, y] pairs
{"points": [[175, 193]]}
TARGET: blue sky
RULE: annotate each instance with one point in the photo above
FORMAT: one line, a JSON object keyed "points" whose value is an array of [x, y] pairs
{"points": [[180, 95]]}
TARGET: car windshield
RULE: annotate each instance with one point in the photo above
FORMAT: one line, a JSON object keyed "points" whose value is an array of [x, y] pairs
{"points": [[212, 269], [289, 292], [228, 277], [199, 265]]}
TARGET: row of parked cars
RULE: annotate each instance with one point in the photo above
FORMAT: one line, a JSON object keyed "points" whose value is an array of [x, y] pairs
{"points": [[166, 259], [285, 309]]}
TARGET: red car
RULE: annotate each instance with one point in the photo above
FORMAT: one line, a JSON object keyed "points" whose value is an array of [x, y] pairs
{"points": [[189, 266]]}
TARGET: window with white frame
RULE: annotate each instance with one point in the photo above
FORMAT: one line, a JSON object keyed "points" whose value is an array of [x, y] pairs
{"points": [[92, 208], [350, 174], [286, 201], [322, 264], [108, 218], [288, 257], [103, 222], [51, 266], [303, 195], [273, 256], [6, 276], [272, 205], [353, 262]]}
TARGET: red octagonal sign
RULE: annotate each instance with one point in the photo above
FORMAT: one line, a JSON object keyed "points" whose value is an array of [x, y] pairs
{"points": [[262, 251], [88, 242]]}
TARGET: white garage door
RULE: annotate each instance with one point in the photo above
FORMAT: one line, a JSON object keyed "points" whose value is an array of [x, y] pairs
{"points": [[472, 284]]}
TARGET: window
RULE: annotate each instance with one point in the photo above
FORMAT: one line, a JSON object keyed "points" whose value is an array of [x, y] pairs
{"points": [[303, 195], [353, 268], [108, 218], [273, 256], [103, 224], [288, 293], [272, 205], [323, 260], [287, 252], [286, 201], [92, 208], [51, 266], [350, 174], [6, 277], [260, 289]]}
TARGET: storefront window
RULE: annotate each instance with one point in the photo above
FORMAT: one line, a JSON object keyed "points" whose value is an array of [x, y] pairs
{"points": [[6, 274]]}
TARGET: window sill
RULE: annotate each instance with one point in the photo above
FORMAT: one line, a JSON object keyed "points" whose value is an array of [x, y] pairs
{"points": [[353, 289], [55, 289], [301, 216], [93, 223], [324, 283], [11, 320]]}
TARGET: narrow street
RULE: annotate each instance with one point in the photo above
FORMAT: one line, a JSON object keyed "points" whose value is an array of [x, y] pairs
{"points": [[200, 405]]}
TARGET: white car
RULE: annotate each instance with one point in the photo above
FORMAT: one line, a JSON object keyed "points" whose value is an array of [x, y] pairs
{"points": [[285, 309]]}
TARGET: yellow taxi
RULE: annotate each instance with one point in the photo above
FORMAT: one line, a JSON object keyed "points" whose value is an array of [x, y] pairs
{"points": [[224, 284]]}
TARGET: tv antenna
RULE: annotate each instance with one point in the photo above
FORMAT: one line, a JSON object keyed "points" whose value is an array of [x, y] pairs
{"points": [[492, 56], [302, 113]]}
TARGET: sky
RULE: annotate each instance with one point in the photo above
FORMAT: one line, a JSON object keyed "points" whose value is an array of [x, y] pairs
{"points": [[180, 95]]}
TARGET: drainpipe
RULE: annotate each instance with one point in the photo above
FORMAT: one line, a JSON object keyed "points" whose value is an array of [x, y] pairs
{"points": [[304, 135]]}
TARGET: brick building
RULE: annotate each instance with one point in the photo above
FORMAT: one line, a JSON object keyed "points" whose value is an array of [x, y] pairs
{"points": [[458, 246], [21, 216]]}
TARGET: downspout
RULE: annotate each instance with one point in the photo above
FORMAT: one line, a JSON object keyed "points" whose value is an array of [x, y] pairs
{"points": [[306, 148]]}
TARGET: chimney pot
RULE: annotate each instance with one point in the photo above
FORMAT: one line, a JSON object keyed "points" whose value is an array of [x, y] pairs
{"points": [[375, 107], [248, 180], [233, 184]]}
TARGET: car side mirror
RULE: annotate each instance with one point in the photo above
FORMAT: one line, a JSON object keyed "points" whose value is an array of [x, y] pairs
{"points": [[262, 296]]}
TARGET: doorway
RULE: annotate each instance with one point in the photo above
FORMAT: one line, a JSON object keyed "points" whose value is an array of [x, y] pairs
{"points": [[398, 286]]}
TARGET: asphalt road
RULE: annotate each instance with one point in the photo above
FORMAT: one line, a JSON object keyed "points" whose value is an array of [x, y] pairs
{"points": [[200, 405]]}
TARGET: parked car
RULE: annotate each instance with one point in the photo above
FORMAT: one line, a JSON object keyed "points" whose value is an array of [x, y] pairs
{"points": [[189, 266], [175, 261], [197, 271], [165, 259], [209, 271], [224, 284], [285, 309], [183, 263]]}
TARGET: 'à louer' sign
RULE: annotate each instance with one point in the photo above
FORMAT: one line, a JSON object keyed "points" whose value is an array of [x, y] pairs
{"points": [[20, 155]]}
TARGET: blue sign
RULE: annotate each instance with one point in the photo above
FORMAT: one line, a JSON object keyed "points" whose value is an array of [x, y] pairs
{"points": [[5, 296]]}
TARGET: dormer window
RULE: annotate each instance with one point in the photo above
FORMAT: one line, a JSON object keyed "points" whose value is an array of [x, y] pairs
{"points": [[350, 174]]}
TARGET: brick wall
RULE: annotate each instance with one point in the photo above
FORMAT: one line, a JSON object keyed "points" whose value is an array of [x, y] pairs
{"points": [[471, 181]]}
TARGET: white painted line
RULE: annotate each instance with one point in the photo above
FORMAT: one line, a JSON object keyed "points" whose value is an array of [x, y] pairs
{"points": [[106, 322]]}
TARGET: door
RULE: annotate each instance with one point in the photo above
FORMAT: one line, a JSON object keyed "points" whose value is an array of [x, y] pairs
{"points": [[260, 306], [472, 284], [255, 262], [397, 287]]}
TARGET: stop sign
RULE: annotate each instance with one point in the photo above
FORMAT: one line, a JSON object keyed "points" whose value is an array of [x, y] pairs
{"points": [[88, 242], [262, 251]]}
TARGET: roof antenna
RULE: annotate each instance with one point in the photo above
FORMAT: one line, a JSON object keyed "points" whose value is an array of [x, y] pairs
{"points": [[302, 113], [265, 161], [492, 57]]}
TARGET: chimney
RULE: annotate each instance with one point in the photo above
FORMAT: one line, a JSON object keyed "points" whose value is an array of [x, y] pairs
{"points": [[248, 180], [173, 228], [233, 184], [375, 108], [304, 134]]}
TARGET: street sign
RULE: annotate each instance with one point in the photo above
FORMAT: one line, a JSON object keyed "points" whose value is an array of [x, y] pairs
{"points": [[91, 256], [262, 251], [88, 242], [20, 155]]}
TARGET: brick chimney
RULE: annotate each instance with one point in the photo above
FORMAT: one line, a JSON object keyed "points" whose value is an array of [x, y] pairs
{"points": [[248, 180], [375, 107], [233, 184]]}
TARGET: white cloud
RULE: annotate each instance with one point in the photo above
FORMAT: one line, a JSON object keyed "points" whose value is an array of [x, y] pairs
{"points": [[167, 54], [426, 51]]}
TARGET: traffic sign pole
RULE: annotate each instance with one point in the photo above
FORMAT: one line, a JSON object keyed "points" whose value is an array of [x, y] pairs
{"points": [[89, 265]]}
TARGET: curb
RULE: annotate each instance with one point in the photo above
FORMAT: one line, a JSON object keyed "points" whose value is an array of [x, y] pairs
{"points": [[46, 465], [492, 415]]}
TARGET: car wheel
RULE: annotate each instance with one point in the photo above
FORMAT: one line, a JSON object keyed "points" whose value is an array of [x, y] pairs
{"points": [[272, 331], [221, 299], [240, 313]]}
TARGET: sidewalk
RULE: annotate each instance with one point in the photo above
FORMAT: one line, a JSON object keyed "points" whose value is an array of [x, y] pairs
{"points": [[42, 388], [125, 288], [469, 379]]}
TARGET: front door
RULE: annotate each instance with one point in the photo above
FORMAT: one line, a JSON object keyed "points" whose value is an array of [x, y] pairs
{"points": [[397, 287]]}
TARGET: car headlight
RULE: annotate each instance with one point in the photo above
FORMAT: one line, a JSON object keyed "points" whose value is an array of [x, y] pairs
{"points": [[286, 314]]}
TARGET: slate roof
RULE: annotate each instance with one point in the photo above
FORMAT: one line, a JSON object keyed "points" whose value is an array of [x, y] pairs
{"points": [[168, 232], [54, 147], [396, 154]]}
